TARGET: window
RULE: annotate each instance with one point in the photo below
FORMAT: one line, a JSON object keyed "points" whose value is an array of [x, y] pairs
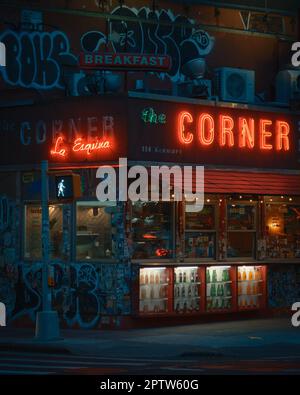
{"points": [[152, 230], [33, 231], [283, 230], [200, 233], [93, 231], [241, 226]]}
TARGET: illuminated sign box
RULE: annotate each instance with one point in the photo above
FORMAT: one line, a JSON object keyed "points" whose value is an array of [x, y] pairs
{"points": [[67, 186]]}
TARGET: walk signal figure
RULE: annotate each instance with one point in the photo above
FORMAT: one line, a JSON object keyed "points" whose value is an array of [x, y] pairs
{"points": [[61, 189], [67, 186]]}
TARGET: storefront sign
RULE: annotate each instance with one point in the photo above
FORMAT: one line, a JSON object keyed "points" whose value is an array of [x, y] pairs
{"points": [[212, 135], [71, 131], [124, 61], [228, 132], [79, 146]]}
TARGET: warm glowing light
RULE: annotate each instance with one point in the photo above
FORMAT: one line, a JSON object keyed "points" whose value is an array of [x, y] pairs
{"points": [[58, 150], [282, 136], [206, 134], [226, 131], [185, 137], [79, 145], [246, 133], [149, 236], [264, 134]]}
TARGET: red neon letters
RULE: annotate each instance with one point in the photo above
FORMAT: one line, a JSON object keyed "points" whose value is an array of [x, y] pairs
{"points": [[226, 131], [79, 146]]}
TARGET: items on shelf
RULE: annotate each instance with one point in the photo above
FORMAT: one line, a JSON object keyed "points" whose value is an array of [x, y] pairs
{"points": [[249, 287], [218, 288], [153, 290], [186, 289]]}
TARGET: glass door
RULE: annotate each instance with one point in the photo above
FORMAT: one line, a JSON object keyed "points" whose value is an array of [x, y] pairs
{"points": [[250, 287], [154, 291], [187, 285], [218, 288]]}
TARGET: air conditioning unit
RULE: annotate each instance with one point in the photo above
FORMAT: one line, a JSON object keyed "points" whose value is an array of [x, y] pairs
{"points": [[288, 86], [235, 85]]}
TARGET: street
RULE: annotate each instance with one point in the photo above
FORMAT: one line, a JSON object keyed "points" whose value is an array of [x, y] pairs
{"points": [[269, 346]]}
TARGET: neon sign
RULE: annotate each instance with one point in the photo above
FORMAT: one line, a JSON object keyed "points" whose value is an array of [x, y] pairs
{"points": [[79, 145], [243, 132]]}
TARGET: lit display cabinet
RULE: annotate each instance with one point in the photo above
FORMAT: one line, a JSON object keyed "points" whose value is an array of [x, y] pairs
{"points": [[187, 289], [251, 287], [199, 289], [154, 290], [219, 288]]}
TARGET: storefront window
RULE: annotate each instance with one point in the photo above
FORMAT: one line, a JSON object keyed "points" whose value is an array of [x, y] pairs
{"points": [[241, 225], [283, 230], [152, 230], [33, 231], [199, 244], [93, 235]]}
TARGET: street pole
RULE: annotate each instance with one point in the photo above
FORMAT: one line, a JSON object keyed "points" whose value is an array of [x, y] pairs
{"points": [[45, 236], [47, 324]]}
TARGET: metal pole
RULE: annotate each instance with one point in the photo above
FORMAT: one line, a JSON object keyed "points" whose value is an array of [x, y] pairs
{"points": [[45, 236], [47, 322]]}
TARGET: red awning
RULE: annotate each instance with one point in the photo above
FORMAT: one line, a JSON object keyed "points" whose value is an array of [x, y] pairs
{"points": [[221, 181]]}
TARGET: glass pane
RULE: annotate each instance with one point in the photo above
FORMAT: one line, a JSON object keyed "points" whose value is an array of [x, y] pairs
{"points": [[94, 238], [152, 231], [249, 287], [218, 288], [186, 289], [240, 244], [153, 290], [241, 217], [199, 245], [205, 219], [283, 230], [33, 230]]}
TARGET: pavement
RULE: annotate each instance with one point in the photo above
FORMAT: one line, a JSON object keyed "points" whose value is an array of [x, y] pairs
{"points": [[252, 346]]}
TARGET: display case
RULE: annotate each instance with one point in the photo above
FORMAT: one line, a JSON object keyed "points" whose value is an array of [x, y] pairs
{"points": [[154, 290], [251, 287], [187, 289], [219, 288], [200, 289]]}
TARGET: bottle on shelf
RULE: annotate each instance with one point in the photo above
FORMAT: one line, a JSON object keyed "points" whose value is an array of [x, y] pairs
{"points": [[207, 276], [244, 275], [214, 276], [180, 277], [184, 277]]}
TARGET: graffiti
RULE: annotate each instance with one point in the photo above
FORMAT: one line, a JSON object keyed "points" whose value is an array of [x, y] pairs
{"points": [[82, 292], [283, 285], [160, 34], [35, 59]]}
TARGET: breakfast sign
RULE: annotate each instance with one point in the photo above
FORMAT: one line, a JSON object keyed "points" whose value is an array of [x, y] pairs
{"points": [[195, 133]]}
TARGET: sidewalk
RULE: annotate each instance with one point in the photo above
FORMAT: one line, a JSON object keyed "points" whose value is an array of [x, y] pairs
{"points": [[229, 339]]}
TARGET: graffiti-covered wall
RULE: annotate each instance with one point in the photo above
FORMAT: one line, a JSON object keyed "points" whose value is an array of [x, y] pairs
{"points": [[43, 44], [283, 285]]}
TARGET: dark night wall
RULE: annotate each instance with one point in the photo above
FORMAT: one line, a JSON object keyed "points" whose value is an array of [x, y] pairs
{"points": [[264, 55]]}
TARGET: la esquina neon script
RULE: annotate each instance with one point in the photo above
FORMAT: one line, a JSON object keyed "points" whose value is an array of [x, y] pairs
{"points": [[79, 145]]}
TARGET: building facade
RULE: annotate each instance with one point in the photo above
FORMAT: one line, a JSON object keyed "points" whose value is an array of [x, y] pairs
{"points": [[169, 84]]}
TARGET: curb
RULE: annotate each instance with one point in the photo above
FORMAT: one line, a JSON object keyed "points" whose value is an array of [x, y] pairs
{"points": [[34, 348]]}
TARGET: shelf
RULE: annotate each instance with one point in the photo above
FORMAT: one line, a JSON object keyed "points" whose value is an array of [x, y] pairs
{"points": [[250, 281], [219, 282], [149, 285], [218, 297], [186, 297], [153, 299], [249, 295], [198, 283]]}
